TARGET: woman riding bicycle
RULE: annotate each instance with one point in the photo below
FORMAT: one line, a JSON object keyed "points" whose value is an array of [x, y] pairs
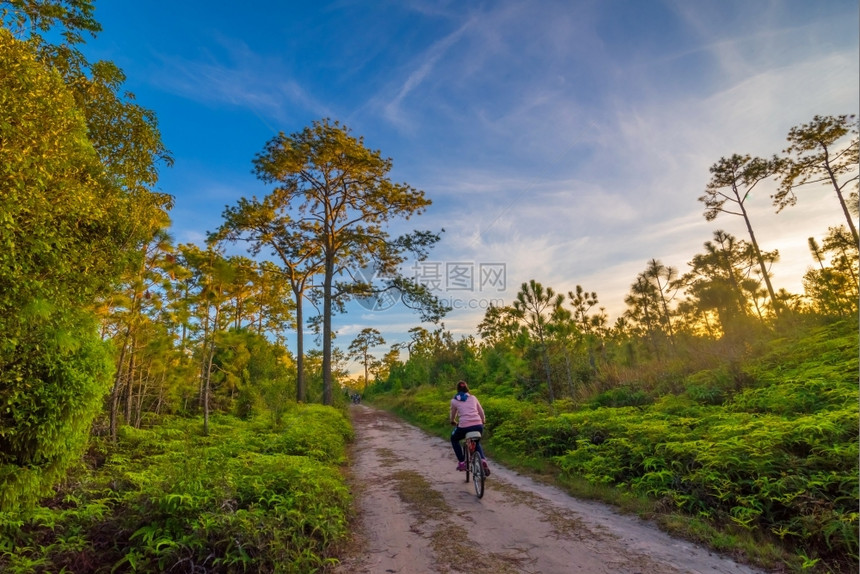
{"points": [[466, 409]]}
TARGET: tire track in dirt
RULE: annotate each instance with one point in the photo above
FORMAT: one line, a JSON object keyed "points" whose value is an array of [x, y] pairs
{"points": [[416, 515]]}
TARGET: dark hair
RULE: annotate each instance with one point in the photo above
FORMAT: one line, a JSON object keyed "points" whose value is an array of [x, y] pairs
{"points": [[462, 387]]}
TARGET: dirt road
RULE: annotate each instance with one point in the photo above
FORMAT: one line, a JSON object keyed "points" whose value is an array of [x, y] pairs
{"points": [[418, 516]]}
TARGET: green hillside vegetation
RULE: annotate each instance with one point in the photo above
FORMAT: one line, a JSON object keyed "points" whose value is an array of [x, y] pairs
{"points": [[758, 459], [252, 496]]}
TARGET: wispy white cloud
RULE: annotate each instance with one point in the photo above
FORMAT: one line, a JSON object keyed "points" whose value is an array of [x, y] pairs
{"points": [[241, 79], [421, 69]]}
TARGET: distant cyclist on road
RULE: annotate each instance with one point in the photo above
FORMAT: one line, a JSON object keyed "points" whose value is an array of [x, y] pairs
{"points": [[466, 409]]}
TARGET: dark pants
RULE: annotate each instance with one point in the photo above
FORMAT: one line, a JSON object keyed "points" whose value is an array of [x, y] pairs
{"points": [[459, 434]]}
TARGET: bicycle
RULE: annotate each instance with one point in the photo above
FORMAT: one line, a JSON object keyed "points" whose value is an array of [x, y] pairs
{"points": [[474, 464]]}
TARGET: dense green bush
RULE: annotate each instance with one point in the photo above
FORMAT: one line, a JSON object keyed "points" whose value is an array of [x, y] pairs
{"points": [[250, 497], [622, 397], [51, 393], [780, 456]]}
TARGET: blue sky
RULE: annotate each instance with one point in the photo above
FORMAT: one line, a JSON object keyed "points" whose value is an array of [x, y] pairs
{"points": [[565, 140]]}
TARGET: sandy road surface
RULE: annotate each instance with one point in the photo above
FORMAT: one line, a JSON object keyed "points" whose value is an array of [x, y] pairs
{"points": [[418, 516]]}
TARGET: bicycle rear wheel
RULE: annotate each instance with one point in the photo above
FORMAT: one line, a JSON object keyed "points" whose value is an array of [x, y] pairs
{"points": [[478, 474], [468, 459]]}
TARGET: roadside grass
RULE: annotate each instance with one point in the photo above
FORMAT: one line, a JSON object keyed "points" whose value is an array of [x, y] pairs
{"points": [[252, 496]]}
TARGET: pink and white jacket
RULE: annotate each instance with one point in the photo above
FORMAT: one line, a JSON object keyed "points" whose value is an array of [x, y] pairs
{"points": [[470, 411]]}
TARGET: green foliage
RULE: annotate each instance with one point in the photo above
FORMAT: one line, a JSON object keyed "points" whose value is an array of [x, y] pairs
{"points": [[69, 223], [712, 386], [249, 497], [502, 369], [621, 397], [73, 16], [250, 374], [427, 406], [56, 208], [312, 430], [817, 154], [49, 395]]}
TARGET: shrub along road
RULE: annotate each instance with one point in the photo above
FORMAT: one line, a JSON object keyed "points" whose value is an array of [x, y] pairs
{"points": [[416, 514]]}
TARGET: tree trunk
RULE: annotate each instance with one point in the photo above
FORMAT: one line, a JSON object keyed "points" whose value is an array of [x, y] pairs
{"points": [[117, 386], [547, 371], [129, 388], [762, 266], [160, 400], [207, 379], [850, 267], [666, 315], [203, 360], [569, 374], [301, 391], [143, 387], [844, 205], [206, 382], [326, 361], [366, 360], [649, 324]]}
